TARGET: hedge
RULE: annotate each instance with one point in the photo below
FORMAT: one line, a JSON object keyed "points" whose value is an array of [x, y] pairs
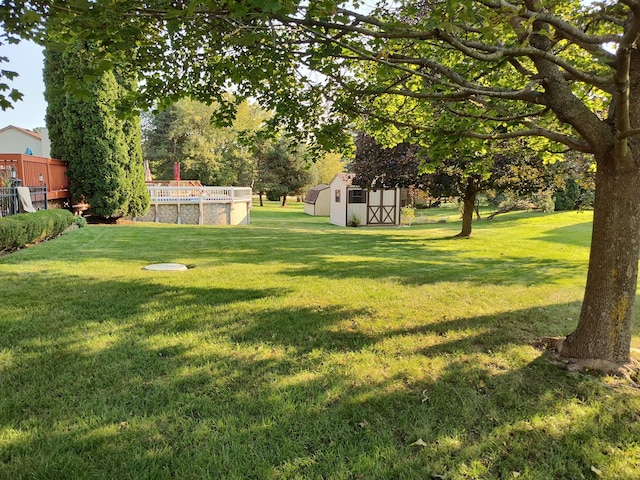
{"points": [[19, 230]]}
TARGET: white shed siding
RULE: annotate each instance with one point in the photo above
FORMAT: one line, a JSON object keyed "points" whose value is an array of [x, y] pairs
{"points": [[382, 207], [338, 194], [318, 201], [323, 203], [359, 211], [309, 208]]}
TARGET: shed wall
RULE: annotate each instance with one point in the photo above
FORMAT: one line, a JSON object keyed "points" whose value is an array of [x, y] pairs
{"points": [[338, 210], [323, 203], [309, 208]]}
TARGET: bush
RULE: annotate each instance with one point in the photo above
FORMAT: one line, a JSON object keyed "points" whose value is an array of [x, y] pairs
{"points": [[407, 214], [507, 201], [273, 196], [19, 230], [573, 197], [354, 220], [80, 221], [566, 198]]}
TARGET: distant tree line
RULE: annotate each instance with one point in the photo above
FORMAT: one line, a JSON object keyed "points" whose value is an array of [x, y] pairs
{"points": [[243, 153]]}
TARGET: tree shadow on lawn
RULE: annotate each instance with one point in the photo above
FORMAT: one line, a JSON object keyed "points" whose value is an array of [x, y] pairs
{"points": [[578, 235], [427, 270], [410, 260], [241, 403], [44, 306]]}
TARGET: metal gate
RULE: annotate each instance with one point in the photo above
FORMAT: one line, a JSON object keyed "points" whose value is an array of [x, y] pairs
{"points": [[381, 209]]}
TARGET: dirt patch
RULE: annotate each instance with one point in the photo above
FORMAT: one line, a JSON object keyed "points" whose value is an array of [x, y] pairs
{"points": [[95, 220]]}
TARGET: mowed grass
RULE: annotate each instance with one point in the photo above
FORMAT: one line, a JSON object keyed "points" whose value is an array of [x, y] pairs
{"points": [[297, 349]]}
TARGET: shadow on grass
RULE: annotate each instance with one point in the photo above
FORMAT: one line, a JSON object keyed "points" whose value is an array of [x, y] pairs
{"points": [[86, 302], [329, 253], [212, 383], [146, 379], [578, 235]]}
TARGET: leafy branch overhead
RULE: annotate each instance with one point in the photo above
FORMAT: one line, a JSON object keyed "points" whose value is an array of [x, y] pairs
{"points": [[510, 65]]}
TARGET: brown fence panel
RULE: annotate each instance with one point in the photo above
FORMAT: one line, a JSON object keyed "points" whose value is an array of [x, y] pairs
{"points": [[37, 171]]}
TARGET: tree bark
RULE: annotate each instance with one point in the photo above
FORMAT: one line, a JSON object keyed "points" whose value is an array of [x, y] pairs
{"points": [[260, 197], [284, 200], [468, 207], [605, 325], [606, 319]]}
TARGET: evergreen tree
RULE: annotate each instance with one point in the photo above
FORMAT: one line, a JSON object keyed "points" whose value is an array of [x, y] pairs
{"points": [[160, 146], [280, 170], [103, 151]]}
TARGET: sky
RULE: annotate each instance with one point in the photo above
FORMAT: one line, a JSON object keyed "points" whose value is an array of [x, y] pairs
{"points": [[26, 59]]}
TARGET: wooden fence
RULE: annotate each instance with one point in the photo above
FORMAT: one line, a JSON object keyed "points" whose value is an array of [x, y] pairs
{"points": [[37, 172]]}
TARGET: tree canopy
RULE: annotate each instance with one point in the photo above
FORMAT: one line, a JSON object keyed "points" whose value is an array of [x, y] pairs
{"points": [[444, 74], [379, 167], [215, 155], [516, 170], [280, 169], [515, 60]]}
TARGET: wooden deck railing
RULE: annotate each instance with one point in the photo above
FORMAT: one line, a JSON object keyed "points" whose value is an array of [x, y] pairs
{"points": [[162, 194], [37, 171]]}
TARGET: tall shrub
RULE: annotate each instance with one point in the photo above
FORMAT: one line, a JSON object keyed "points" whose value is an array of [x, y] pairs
{"points": [[103, 151]]}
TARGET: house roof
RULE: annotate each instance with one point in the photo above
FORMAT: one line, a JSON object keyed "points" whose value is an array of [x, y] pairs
{"points": [[23, 130], [314, 192]]}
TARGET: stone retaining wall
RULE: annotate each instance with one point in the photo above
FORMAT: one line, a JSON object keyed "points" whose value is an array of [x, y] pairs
{"points": [[205, 213]]}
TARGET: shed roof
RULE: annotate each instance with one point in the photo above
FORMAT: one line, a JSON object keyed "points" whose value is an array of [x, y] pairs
{"points": [[314, 192], [347, 178]]}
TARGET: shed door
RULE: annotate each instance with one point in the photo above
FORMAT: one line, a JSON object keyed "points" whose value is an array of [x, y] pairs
{"points": [[382, 207]]}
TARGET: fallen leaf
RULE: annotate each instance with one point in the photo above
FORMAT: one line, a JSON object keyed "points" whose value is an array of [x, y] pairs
{"points": [[425, 397], [419, 443]]}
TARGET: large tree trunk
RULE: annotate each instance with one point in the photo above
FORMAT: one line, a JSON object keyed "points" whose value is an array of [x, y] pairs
{"points": [[604, 328], [468, 207]]}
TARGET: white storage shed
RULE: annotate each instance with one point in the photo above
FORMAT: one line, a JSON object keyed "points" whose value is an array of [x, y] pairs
{"points": [[352, 205]]}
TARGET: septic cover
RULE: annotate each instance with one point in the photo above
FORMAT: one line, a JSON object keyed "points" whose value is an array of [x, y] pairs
{"points": [[166, 266]]}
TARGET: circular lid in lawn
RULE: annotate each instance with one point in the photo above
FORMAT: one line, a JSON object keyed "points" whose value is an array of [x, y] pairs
{"points": [[165, 267]]}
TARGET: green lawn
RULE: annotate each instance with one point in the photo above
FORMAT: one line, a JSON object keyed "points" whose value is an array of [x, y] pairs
{"points": [[297, 349]]}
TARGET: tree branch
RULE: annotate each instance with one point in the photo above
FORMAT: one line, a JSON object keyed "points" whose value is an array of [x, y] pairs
{"points": [[513, 118], [623, 89], [571, 142], [574, 33], [496, 53], [629, 133]]}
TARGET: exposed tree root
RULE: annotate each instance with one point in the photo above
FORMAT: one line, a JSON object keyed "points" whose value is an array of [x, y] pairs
{"points": [[627, 371]]}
